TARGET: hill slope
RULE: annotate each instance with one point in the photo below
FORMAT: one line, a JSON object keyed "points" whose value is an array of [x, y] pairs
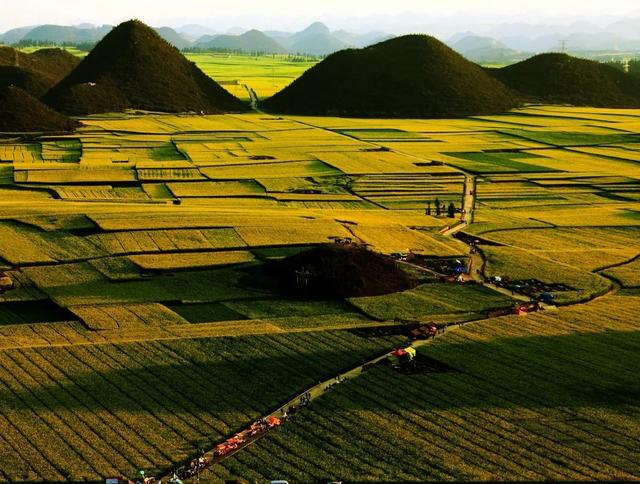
{"points": [[319, 44], [411, 76], [485, 49], [251, 41], [58, 34], [560, 78], [21, 112], [36, 73], [133, 67], [173, 37], [331, 271], [316, 39], [14, 35]]}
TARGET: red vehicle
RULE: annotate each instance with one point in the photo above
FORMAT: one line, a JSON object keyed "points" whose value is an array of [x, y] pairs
{"points": [[274, 422], [524, 309], [425, 332]]}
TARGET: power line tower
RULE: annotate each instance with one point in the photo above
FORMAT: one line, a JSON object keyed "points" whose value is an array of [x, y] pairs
{"points": [[563, 46]]}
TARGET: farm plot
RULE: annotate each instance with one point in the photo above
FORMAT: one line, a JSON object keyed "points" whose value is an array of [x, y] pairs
{"points": [[186, 261], [583, 216], [627, 274], [568, 138], [10, 193], [569, 238], [216, 189], [84, 413], [534, 398], [29, 312], [269, 170], [126, 316], [265, 74], [132, 150], [523, 162], [532, 192], [61, 151], [573, 161], [357, 163], [498, 189], [431, 302], [397, 238], [408, 192], [141, 241], [166, 218], [206, 312], [59, 176], [591, 260], [168, 172], [519, 264], [301, 185], [286, 308], [621, 152], [116, 268], [382, 135], [97, 192], [310, 232], [20, 153], [81, 284], [22, 244]]}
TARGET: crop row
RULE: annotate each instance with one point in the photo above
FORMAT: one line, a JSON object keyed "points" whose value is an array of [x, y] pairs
{"points": [[92, 411], [520, 404]]}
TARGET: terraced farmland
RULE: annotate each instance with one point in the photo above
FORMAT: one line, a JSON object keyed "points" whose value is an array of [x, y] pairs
{"points": [[143, 323]]}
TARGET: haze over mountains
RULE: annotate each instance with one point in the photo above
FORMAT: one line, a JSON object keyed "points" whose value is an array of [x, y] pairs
{"points": [[505, 42], [412, 76], [317, 39]]}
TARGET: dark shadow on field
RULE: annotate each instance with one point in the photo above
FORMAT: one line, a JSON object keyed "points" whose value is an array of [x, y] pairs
{"points": [[569, 371], [248, 375], [242, 374], [94, 288]]}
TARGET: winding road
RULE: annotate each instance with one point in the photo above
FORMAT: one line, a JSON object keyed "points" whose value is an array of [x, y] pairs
{"points": [[476, 260]]}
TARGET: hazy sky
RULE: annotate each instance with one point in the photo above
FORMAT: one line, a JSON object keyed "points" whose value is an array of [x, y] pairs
{"points": [[287, 14]]}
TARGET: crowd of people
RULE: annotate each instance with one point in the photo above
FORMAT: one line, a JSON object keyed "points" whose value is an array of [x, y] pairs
{"points": [[256, 429], [240, 439]]}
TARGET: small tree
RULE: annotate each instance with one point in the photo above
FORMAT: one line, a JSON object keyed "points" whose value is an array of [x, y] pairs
{"points": [[428, 210], [617, 65], [438, 207], [634, 67], [451, 210]]}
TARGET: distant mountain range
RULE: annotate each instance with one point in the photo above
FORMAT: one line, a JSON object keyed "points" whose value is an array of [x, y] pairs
{"points": [[412, 76], [502, 44], [251, 41], [485, 49], [317, 39]]}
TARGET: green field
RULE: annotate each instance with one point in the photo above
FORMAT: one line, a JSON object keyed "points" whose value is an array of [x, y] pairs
{"points": [[266, 74], [140, 329]]}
